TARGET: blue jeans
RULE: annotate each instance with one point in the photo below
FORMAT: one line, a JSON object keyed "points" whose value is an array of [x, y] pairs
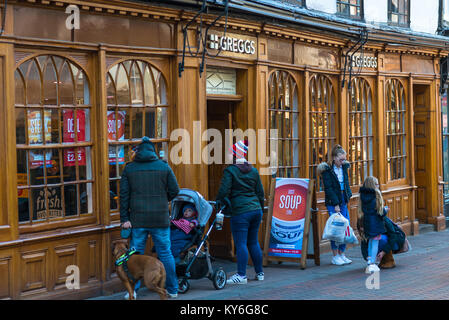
{"points": [[244, 229], [161, 239], [373, 247], [345, 213]]}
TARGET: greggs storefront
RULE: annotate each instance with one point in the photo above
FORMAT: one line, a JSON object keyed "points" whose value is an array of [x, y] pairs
{"points": [[75, 101]]}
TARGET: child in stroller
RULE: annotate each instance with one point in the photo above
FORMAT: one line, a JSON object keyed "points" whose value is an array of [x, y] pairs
{"points": [[189, 240], [183, 231]]}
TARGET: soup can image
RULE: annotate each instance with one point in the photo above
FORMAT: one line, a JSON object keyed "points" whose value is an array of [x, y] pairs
{"points": [[287, 231], [287, 224]]}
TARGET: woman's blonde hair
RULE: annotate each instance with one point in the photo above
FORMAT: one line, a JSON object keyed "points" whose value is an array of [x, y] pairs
{"points": [[372, 183], [335, 152]]}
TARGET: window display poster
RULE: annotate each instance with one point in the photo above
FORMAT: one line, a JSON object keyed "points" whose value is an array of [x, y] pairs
{"points": [[70, 155], [288, 217], [35, 137], [116, 132]]}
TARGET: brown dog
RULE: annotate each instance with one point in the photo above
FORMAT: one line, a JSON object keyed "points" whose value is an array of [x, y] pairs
{"points": [[141, 266]]}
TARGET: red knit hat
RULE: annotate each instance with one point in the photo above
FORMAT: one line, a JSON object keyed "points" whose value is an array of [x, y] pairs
{"points": [[240, 149]]}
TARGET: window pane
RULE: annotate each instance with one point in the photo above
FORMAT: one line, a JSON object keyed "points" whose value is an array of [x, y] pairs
{"points": [[66, 86], [50, 83], [150, 87], [161, 122], [136, 86], [71, 200], [110, 90], [137, 123], [38, 201], [20, 88], [113, 195], [150, 123], [122, 89], [22, 180], [33, 84], [86, 192], [20, 126]]}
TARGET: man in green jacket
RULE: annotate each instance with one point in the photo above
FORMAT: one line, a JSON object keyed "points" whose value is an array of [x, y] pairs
{"points": [[146, 186]]}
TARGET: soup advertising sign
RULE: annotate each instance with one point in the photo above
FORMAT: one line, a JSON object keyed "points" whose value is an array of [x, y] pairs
{"points": [[287, 225]]}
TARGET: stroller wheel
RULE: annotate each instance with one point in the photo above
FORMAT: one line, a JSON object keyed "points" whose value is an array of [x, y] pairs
{"points": [[183, 285], [219, 278]]}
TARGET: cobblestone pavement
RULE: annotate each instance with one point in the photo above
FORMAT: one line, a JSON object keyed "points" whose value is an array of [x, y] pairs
{"points": [[420, 274]]}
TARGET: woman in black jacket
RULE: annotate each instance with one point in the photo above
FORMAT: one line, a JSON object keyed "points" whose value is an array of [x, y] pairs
{"points": [[337, 192]]}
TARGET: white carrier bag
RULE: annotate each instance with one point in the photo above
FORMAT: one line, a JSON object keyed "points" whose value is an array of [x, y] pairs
{"points": [[335, 228]]}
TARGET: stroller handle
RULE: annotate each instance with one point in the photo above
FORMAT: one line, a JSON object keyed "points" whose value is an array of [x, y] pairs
{"points": [[213, 203]]}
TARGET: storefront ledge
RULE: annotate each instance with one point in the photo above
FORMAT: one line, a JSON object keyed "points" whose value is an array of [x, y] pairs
{"points": [[438, 222], [91, 289], [59, 234]]}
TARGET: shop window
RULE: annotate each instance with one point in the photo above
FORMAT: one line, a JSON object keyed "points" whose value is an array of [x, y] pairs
{"points": [[284, 116], [360, 150], [350, 8], [399, 13], [137, 107], [54, 165], [395, 129], [322, 122]]}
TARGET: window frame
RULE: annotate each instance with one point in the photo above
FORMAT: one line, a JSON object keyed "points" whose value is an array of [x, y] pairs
{"points": [[294, 100], [79, 218], [390, 12], [405, 113], [360, 6], [131, 110], [329, 140], [365, 94]]}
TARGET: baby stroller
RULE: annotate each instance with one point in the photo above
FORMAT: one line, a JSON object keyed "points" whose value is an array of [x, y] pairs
{"points": [[196, 262]]}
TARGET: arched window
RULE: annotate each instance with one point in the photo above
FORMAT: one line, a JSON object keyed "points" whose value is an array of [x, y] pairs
{"points": [[322, 122], [360, 151], [396, 134], [284, 116], [137, 107], [54, 165]]}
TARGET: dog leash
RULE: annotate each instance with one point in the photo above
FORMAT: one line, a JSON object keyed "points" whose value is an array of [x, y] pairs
{"points": [[123, 261]]}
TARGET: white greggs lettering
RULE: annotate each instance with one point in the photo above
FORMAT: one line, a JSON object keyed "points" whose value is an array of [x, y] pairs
{"points": [[365, 62], [232, 44], [290, 201]]}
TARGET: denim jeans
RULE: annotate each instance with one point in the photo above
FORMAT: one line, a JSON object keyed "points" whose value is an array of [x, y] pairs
{"points": [[373, 247], [245, 228], [161, 239], [345, 213]]}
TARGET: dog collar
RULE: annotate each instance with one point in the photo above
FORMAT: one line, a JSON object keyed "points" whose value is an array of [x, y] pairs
{"points": [[125, 257]]}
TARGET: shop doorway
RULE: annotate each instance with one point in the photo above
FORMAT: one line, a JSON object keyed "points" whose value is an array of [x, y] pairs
{"points": [[421, 122], [220, 117]]}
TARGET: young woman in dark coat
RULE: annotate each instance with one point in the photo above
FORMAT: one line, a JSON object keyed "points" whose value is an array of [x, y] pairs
{"points": [[371, 217], [337, 193]]}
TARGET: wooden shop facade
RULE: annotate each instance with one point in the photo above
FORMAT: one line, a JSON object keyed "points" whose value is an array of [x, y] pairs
{"points": [[74, 101]]}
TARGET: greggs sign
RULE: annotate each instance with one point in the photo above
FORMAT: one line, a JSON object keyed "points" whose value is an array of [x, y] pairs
{"points": [[232, 44]]}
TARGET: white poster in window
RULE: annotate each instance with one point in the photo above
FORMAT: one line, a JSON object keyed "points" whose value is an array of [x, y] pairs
{"points": [[35, 137], [116, 132]]}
